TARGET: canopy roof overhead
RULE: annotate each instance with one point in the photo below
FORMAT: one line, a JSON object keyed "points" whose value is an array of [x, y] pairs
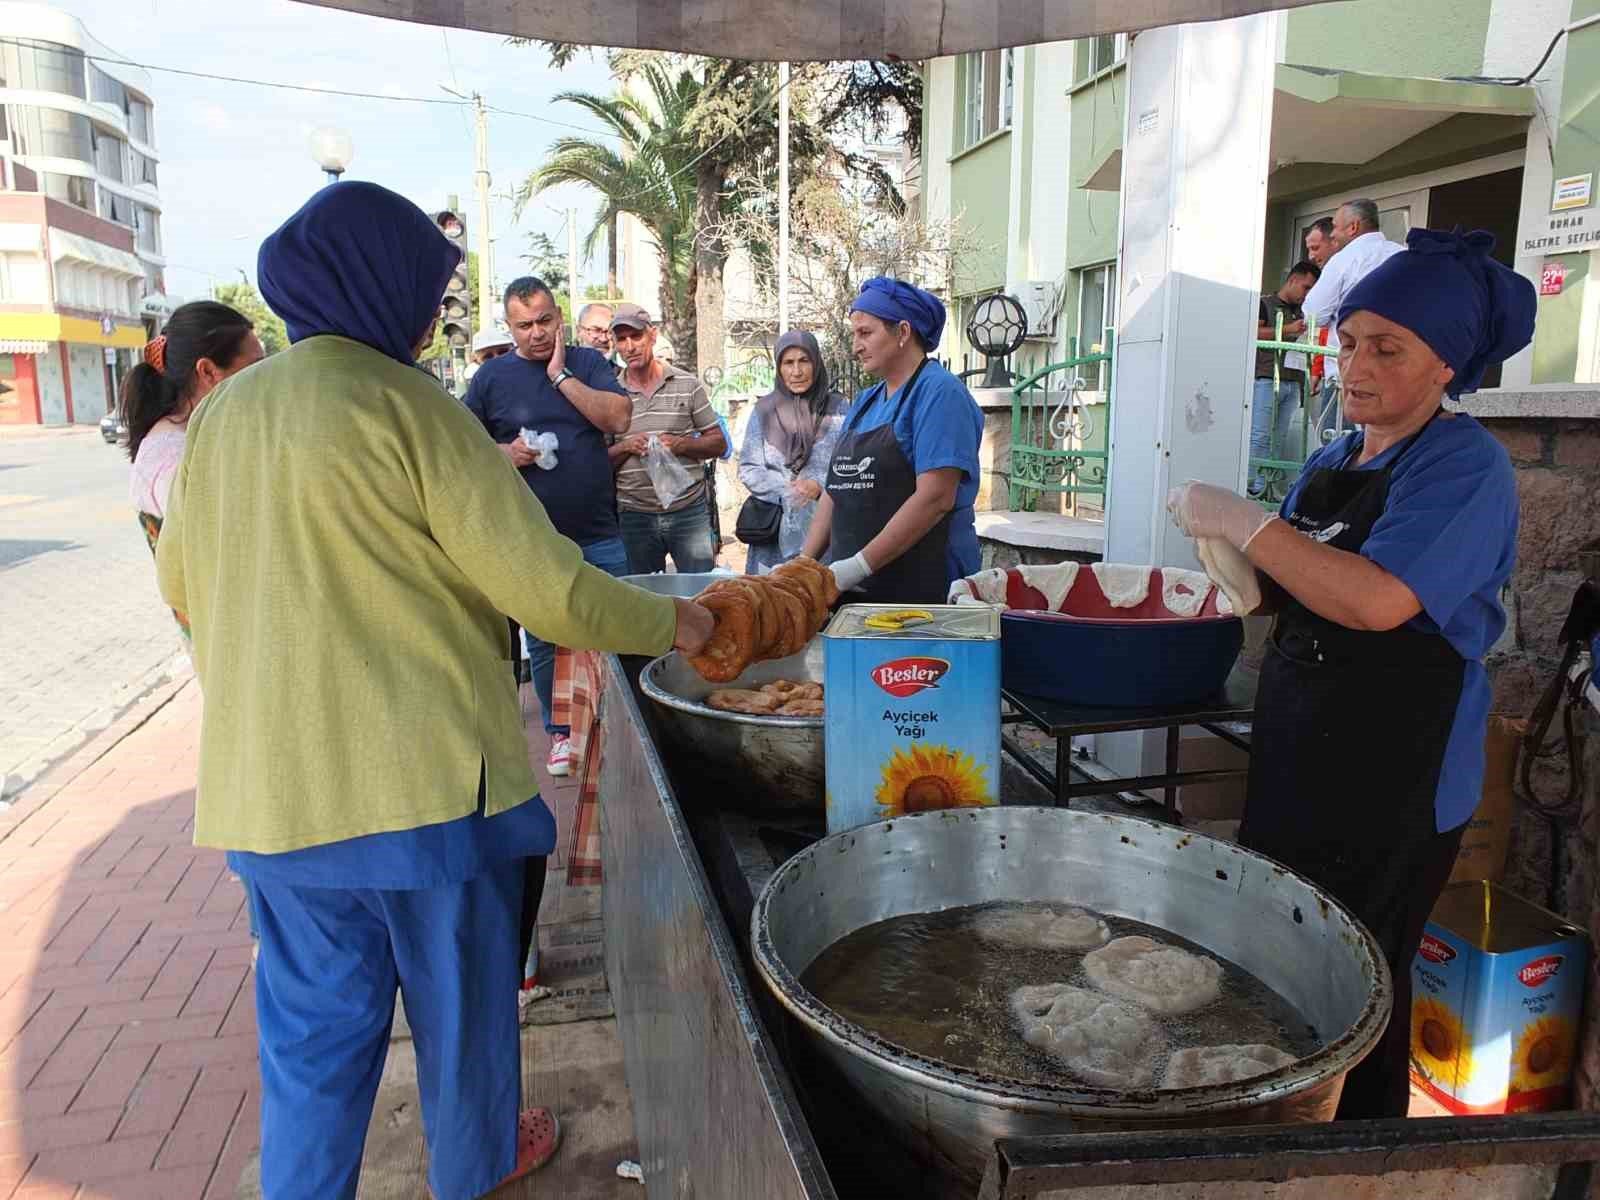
{"points": [[1329, 116], [802, 30], [1344, 117]]}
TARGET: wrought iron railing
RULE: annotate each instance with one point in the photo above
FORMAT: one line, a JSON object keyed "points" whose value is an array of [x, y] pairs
{"points": [[1060, 439], [1272, 474]]}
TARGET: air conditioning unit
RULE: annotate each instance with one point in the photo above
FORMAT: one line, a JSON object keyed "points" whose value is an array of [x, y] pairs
{"points": [[1040, 301]]}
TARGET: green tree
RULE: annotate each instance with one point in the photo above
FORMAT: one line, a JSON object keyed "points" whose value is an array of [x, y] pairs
{"points": [[649, 177], [720, 132], [544, 260], [243, 298]]}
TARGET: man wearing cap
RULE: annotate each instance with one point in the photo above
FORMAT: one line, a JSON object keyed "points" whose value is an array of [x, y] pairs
{"points": [[671, 405], [487, 344]]}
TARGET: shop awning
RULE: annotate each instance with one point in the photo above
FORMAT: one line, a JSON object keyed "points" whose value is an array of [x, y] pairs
{"points": [[1328, 116], [808, 29], [96, 254]]}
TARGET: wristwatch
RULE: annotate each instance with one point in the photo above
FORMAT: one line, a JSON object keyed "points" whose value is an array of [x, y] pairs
{"points": [[562, 378]]}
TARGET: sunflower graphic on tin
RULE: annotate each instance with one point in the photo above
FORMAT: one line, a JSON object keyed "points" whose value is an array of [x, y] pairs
{"points": [[925, 778], [1438, 1043], [1544, 1055]]}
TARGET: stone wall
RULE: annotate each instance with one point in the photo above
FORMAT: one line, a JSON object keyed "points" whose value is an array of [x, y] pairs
{"points": [[1553, 863]]}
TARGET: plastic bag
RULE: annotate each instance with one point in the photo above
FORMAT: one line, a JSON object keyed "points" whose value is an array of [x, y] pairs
{"points": [[544, 445], [667, 474]]}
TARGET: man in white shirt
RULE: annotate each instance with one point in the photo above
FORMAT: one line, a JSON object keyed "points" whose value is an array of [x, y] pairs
{"points": [[1359, 247]]}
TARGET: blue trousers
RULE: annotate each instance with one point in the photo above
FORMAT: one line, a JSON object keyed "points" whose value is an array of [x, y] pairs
{"points": [[610, 556], [1272, 414], [684, 534], [331, 959]]}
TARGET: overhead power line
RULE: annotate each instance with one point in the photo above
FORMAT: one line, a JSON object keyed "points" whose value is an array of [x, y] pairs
{"points": [[314, 89]]}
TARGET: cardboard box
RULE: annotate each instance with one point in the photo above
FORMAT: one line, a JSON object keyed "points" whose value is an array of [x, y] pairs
{"points": [[1488, 834]]}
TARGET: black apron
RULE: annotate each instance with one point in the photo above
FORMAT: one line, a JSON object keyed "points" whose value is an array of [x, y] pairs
{"points": [[1349, 738], [869, 478]]}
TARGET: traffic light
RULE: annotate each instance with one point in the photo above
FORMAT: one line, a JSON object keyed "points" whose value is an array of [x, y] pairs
{"points": [[456, 311]]}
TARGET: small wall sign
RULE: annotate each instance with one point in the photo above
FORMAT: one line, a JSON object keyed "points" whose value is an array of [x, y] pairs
{"points": [[1552, 278], [1572, 191]]}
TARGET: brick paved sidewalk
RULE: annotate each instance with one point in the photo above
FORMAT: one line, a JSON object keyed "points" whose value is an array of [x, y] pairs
{"points": [[127, 1023]]}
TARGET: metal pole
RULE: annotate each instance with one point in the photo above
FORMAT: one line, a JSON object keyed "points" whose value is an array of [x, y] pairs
{"points": [[783, 197], [485, 249], [572, 266]]}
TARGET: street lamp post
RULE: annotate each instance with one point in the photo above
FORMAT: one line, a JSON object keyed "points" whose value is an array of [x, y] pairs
{"points": [[332, 150]]}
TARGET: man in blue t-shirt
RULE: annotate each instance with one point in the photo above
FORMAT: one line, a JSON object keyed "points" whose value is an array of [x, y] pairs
{"points": [[572, 392]]}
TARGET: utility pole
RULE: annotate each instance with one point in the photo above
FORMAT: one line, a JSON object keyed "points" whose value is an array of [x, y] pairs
{"points": [[783, 197], [572, 267], [485, 246]]}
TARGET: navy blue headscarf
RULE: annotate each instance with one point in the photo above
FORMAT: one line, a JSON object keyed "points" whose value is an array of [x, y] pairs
{"points": [[894, 300], [359, 261], [1471, 310]]}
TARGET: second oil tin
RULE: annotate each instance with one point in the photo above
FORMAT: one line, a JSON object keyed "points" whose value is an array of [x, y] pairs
{"points": [[1496, 997]]}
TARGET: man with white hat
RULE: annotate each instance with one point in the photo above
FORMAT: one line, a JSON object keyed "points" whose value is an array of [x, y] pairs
{"points": [[486, 344]]}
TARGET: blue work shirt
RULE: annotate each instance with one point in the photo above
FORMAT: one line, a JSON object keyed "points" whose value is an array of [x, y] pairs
{"points": [[1449, 533], [408, 859], [939, 425], [510, 393]]}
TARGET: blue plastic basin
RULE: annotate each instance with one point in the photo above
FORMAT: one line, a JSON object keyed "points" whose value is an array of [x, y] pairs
{"points": [[1120, 664]]}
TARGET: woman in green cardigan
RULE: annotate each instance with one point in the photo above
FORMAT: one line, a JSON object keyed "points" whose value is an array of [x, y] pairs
{"points": [[347, 542]]}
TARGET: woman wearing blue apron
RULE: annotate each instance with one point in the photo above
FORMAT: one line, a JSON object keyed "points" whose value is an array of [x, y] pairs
{"points": [[896, 518], [1385, 565]]}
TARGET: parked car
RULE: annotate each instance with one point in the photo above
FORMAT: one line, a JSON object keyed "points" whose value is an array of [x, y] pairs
{"points": [[114, 429]]}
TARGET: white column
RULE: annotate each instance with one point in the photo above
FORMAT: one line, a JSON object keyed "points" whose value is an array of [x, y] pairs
{"points": [[1195, 160], [1194, 193]]}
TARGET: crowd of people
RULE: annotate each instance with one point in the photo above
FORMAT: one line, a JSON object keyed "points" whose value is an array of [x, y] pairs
{"points": [[1340, 251], [352, 552]]}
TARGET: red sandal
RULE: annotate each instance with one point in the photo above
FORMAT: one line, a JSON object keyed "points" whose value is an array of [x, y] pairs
{"points": [[538, 1136]]}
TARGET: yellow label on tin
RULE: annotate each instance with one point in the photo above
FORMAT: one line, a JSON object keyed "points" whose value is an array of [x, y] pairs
{"points": [[894, 622]]}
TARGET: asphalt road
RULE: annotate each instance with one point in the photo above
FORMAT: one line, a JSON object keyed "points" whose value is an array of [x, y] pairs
{"points": [[83, 631]]}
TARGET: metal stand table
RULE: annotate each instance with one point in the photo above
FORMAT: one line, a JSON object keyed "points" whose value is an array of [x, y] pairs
{"points": [[1065, 722]]}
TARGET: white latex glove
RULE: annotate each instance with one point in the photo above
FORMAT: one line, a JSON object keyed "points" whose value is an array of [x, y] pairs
{"points": [[1203, 510], [851, 573]]}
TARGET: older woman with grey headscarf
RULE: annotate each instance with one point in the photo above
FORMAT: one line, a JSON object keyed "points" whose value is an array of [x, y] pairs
{"points": [[788, 445]]}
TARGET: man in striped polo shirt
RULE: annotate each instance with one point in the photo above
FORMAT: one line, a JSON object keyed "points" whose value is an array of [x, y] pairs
{"points": [[672, 405]]}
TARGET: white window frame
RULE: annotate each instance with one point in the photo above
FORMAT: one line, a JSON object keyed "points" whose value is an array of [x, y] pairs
{"points": [[978, 122], [1107, 317], [972, 100], [1119, 53]]}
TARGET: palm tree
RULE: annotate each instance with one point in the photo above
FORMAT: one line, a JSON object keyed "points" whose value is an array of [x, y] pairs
{"points": [[651, 177]]}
